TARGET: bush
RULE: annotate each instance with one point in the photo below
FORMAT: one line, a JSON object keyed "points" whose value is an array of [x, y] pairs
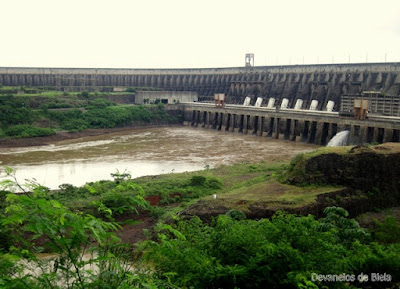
{"points": [[387, 231], [126, 197], [70, 237], [236, 214], [100, 103], [14, 110], [202, 181], [75, 125], [197, 180], [277, 253], [85, 93], [23, 130], [55, 105]]}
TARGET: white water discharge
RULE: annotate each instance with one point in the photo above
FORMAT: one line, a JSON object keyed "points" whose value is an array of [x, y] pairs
{"points": [[340, 139]]}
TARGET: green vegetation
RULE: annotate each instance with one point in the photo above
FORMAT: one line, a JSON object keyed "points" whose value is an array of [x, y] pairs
{"points": [[279, 253], [24, 130], [70, 111], [87, 254]]}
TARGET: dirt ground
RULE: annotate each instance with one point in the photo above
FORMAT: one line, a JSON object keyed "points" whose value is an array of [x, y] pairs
{"points": [[133, 233]]}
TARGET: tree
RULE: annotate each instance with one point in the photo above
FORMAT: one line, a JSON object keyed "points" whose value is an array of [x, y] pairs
{"points": [[87, 252]]}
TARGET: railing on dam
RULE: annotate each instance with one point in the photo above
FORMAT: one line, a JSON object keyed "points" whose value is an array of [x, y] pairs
{"points": [[316, 127]]}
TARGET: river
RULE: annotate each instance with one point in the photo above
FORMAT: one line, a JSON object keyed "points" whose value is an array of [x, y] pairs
{"points": [[147, 151]]}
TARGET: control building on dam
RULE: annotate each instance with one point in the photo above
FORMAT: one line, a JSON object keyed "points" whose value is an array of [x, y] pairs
{"points": [[319, 87]]}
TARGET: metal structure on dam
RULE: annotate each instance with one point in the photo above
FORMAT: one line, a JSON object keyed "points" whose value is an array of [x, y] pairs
{"points": [[317, 86]]}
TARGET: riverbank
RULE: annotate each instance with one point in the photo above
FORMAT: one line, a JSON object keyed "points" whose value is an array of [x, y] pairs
{"points": [[67, 135]]}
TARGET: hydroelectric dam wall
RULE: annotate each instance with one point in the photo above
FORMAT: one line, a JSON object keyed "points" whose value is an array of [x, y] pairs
{"points": [[322, 82], [316, 127]]}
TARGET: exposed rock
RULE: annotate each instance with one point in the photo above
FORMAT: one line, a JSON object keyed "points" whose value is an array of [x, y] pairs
{"points": [[370, 170]]}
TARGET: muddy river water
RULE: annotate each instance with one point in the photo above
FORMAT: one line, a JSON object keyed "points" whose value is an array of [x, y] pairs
{"points": [[141, 152]]}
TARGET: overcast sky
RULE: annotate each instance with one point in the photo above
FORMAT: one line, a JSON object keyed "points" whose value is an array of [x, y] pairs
{"points": [[191, 34]]}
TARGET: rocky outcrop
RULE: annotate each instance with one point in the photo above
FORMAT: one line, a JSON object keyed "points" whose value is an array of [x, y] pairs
{"points": [[373, 171]]}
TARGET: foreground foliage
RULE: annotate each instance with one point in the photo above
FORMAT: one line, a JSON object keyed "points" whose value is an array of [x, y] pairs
{"points": [[279, 253], [229, 252], [85, 253]]}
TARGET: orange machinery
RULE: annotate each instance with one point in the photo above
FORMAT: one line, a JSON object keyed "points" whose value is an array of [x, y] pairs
{"points": [[360, 108], [219, 99]]}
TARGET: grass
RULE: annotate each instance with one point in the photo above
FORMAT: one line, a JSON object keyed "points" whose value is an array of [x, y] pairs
{"points": [[272, 194], [327, 150], [378, 148]]}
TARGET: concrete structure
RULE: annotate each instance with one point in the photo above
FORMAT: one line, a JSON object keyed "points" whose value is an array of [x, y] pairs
{"points": [[307, 82], [316, 127], [379, 104], [168, 97]]}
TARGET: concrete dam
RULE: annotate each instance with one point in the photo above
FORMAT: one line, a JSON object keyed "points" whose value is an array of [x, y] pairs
{"points": [[317, 86], [307, 82]]}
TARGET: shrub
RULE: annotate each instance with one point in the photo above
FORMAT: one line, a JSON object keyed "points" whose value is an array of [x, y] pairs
{"points": [[197, 180], [55, 105], [75, 125], [13, 111], [23, 130], [100, 103], [126, 197], [236, 214], [69, 236], [387, 231], [85, 93], [277, 253]]}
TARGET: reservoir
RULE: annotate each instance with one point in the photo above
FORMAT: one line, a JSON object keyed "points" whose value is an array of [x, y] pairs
{"points": [[141, 152]]}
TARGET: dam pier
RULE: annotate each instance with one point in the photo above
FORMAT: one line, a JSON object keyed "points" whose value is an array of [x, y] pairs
{"points": [[316, 127]]}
